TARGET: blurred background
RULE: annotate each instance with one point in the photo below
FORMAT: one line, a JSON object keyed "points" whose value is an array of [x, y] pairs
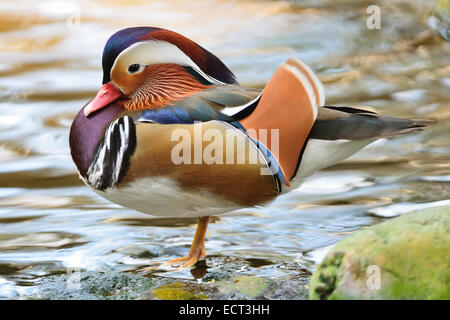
{"points": [[50, 65]]}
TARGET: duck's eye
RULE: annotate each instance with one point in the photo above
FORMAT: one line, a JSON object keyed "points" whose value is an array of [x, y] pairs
{"points": [[133, 68]]}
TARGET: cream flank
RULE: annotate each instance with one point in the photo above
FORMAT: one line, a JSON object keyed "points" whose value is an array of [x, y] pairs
{"points": [[160, 196], [320, 154]]}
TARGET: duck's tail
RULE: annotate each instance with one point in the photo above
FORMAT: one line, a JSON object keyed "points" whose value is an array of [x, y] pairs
{"points": [[349, 123], [290, 120], [339, 132]]}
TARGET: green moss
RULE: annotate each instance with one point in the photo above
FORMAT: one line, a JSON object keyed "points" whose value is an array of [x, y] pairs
{"points": [[412, 252], [327, 277], [250, 286], [176, 291], [444, 5]]}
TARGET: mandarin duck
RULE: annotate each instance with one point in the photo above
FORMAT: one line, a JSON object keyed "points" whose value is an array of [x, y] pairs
{"points": [[171, 132]]}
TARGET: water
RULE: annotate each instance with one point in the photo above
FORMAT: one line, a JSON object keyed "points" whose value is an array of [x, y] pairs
{"points": [[50, 54]]}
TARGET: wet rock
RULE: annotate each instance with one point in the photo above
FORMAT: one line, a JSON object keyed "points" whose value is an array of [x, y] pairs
{"points": [[217, 278], [403, 258], [246, 286], [236, 288], [94, 285], [217, 268], [254, 287], [233, 278], [289, 289]]}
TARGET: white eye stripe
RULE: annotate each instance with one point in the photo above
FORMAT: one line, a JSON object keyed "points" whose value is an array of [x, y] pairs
{"points": [[154, 52]]}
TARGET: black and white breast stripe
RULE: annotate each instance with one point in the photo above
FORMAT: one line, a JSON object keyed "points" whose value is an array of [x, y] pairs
{"points": [[112, 157]]}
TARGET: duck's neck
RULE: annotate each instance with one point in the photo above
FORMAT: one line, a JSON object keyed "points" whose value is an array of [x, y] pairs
{"points": [[86, 134]]}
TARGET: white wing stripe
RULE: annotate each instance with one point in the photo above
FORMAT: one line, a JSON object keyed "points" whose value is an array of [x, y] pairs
{"points": [[231, 111], [307, 84], [316, 82]]}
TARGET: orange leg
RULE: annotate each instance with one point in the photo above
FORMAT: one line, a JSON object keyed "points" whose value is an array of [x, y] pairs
{"points": [[197, 252]]}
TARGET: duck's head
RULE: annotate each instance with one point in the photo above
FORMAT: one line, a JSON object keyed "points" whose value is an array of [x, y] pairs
{"points": [[147, 67]]}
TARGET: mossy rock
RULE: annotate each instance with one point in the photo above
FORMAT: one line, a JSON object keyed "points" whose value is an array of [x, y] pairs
{"points": [[407, 257], [177, 291], [444, 7], [250, 286], [245, 286]]}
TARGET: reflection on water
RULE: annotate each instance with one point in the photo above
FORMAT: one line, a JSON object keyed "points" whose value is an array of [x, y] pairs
{"points": [[50, 65]]}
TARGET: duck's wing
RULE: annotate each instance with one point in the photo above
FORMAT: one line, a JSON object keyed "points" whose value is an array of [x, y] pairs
{"points": [[206, 158], [278, 119], [240, 159], [285, 113], [219, 102]]}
